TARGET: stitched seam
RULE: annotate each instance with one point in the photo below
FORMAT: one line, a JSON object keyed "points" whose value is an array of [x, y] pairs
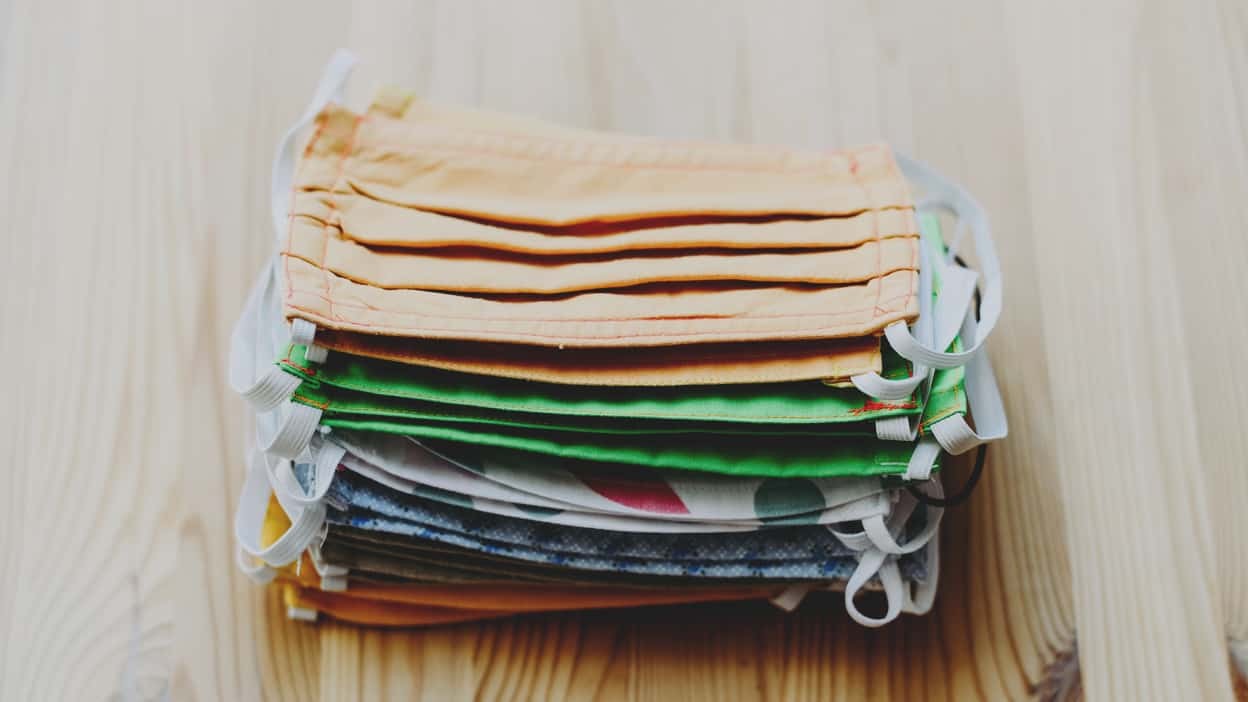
{"points": [[405, 394], [672, 378], [718, 334], [675, 360], [393, 199], [875, 225], [881, 270], [309, 401], [290, 350], [817, 315], [551, 422], [290, 212], [509, 442], [914, 252], [497, 240], [335, 213]]}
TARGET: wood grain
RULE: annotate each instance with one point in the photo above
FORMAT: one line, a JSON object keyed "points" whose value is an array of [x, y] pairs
{"points": [[1104, 553]]}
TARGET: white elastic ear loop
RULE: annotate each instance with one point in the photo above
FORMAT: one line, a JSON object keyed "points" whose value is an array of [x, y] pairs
{"points": [[953, 304], [922, 459], [877, 386], [984, 404], [873, 562], [329, 89], [923, 594], [301, 614], [881, 536], [305, 523], [287, 431], [322, 566], [956, 200], [252, 372], [258, 572], [879, 505], [789, 598], [333, 578], [326, 456], [303, 332]]}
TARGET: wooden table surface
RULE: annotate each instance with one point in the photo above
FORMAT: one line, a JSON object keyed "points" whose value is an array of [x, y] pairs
{"points": [[1105, 551]]}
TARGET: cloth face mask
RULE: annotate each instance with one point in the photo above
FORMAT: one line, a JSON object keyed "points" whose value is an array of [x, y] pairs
{"points": [[830, 360], [575, 516], [349, 388], [733, 406], [510, 597], [552, 484], [385, 539], [925, 346], [374, 508], [334, 280]]}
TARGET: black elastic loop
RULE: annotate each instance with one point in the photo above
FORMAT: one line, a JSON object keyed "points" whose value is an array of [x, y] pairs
{"points": [[962, 495]]}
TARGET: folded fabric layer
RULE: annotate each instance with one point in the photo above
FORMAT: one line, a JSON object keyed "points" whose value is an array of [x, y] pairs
{"points": [[378, 224], [758, 403], [523, 478], [788, 409], [753, 455], [467, 269], [831, 360], [435, 163], [554, 567], [505, 536], [574, 516], [646, 317], [530, 597], [307, 603], [661, 517]]}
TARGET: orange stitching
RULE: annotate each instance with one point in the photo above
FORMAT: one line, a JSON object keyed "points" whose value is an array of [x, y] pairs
{"points": [[867, 406], [310, 372], [335, 213], [914, 253], [309, 401], [710, 335], [544, 320], [608, 284], [875, 225], [290, 206]]}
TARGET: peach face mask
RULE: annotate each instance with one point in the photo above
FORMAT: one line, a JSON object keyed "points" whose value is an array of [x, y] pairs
{"points": [[493, 230]]}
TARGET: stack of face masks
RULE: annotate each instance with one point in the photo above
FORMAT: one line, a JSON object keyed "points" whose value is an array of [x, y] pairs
{"points": [[500, 366]]}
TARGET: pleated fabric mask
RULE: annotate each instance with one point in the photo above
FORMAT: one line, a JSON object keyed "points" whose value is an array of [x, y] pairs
{"points": [[523, 478], [586, 207], [789, 553]]}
